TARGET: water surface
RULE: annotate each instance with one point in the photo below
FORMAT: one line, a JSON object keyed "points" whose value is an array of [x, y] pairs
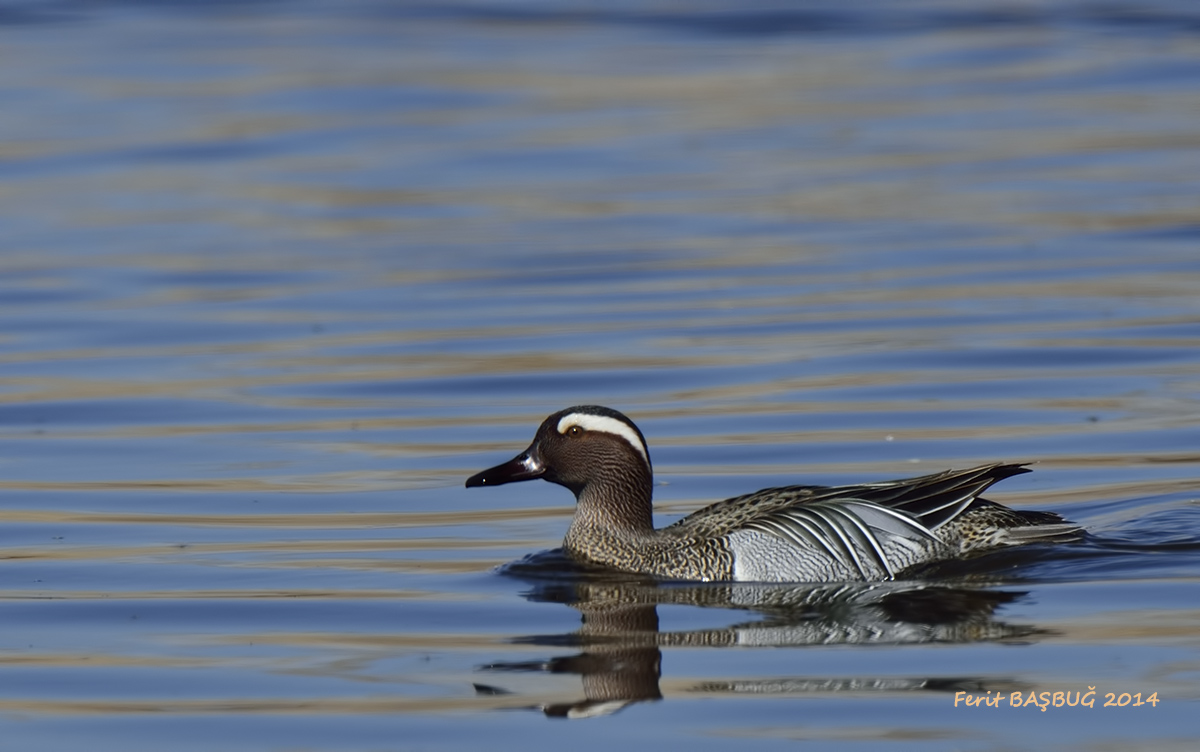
{"points": [[275, 278]]}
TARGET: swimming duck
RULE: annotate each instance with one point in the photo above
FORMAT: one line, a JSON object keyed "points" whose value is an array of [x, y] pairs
{"points": [[864, 532]]}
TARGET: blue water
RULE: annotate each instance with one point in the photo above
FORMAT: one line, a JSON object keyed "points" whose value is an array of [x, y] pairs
{"points": [[275, 278]]}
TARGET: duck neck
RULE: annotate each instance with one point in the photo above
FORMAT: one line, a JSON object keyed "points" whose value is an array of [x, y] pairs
{"points": [[612, 506]]}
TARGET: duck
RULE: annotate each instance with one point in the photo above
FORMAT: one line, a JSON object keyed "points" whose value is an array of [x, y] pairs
{"points": [[865, 532]]}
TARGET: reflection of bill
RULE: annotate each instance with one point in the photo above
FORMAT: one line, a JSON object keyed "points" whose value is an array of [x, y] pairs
{"points": [[620, 662]]}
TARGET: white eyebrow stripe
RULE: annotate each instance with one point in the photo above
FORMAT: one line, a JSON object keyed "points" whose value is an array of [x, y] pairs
{"points": [[605, 424]]}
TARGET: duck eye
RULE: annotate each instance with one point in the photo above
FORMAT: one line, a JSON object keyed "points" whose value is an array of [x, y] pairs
{"points": [[574, 431]]}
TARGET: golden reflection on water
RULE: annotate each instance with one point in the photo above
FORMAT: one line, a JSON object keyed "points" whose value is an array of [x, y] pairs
{"points": [[374, 705], [68, 553], [355, 520], [329, 483], [1145, 627], [224, 595]]}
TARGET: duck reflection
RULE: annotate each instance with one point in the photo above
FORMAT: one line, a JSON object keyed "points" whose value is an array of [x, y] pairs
{"points": [[620, 640]]}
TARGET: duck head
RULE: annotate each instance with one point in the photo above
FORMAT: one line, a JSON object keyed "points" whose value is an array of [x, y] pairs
{"points": [[581, 447]]}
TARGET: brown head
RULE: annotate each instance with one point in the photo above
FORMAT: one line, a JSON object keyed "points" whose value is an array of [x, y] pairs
{"points": [[596, 452]]}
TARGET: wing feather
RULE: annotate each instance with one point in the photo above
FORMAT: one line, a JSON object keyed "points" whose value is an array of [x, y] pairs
{"points": [[826, 516], [801, 532], [848, 528], [865, 537]]}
